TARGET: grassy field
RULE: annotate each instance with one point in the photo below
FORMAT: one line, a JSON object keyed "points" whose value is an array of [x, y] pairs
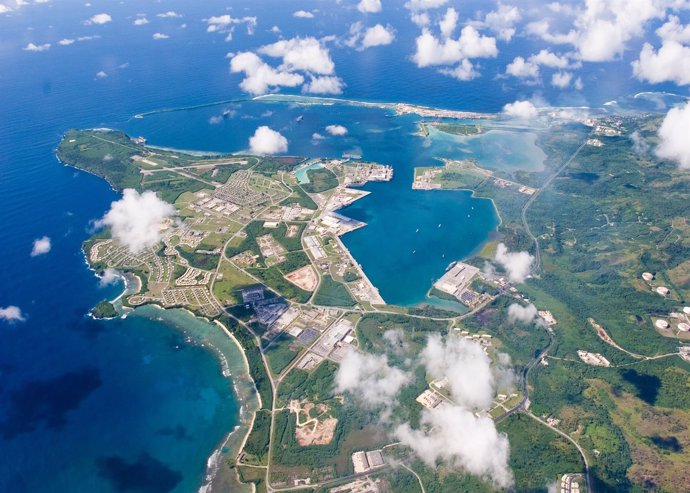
{"points": [[332, 293], [227, 289], [281, 352], [320, 180], [457, 174], [459, 129]]}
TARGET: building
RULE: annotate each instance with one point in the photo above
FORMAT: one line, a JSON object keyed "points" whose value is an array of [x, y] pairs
{"points": [[252, 294], [360, 462], [375, 458], [429, 399], [456, 279], [548, 317]]}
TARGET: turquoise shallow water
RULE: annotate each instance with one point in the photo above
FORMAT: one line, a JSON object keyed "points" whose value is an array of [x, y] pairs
{"points": [[301, 174], [497, 149]]}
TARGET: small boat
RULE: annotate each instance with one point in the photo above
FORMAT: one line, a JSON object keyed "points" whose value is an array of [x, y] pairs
{"points": [[414, 251], [417, 230], [439, 225], [300, 118]]}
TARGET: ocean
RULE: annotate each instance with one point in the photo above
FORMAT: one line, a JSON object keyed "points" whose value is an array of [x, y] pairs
{"points": [[140, 404]]}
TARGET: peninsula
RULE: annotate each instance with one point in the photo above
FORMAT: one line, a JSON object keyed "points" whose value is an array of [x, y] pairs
{"points": [[348, 392]]}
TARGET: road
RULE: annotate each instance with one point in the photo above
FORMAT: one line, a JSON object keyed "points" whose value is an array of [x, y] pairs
{"points": [[588, 476], [523, 213]]}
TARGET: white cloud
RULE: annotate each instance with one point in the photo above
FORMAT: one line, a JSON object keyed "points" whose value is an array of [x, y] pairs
{"points": [[454, 434], [673, 30], [601, 29], [303, 14], [11, 313], [259, 76], [109, 277], [516, 264], [140, 21], [226, 24], [307, 54], [674, 135], [171, 14], [369, 378], [561, 79], [432, 51], [98, 19], [267, 141], [464, 71], [317, 136], [455, 437], [549, 59], [449, 22], [369, 6], [502, 21], [41, 246], [71, 41], [396, 340], [101, 75], [425, 4], [530, 68], [37, 48], [471, 380], [519, 313], [159, 36], [640, 146], [520, 109], [378, 36], [325, 84], [420, 18], [670, 64], [136, 220], [337, 130], [523, 69]]}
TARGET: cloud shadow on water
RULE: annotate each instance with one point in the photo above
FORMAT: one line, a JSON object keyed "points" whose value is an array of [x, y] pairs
{"points": [[46, 402], [147, 474]]}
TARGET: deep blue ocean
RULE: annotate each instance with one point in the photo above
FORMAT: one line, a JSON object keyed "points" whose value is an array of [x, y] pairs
{"points": [[130, 405]]}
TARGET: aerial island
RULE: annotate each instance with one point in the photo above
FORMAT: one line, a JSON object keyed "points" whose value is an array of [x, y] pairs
{"points": [[572, 318]]}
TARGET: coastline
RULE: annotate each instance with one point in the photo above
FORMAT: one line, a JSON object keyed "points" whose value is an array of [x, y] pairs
{"points": [[234, 367], [216, 479]]}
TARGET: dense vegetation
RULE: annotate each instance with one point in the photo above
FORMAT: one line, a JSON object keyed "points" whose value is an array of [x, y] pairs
{"points": [[538, 456], [104, 309], [320, 180], [256, 365], [316, 385], [258, 439]]}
